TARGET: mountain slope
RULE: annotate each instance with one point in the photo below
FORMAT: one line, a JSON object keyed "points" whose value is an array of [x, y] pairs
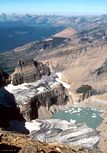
{"points": [[81, 59], [66, 33]]}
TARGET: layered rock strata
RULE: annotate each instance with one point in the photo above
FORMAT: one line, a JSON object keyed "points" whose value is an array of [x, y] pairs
{"points": [[29, 71], [45, 92], [34, 86], [61, 131]]}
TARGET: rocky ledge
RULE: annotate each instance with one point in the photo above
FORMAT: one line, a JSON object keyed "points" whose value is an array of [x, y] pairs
{"points": [[19, 143]]}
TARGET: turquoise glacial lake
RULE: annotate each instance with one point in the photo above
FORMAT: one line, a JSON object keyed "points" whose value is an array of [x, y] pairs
{"points": [[91, 117]]}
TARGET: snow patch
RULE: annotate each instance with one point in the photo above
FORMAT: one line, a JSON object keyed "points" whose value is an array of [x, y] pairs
{"points": [[12, 89], [34, 125], [67, 86], [41, 89]]}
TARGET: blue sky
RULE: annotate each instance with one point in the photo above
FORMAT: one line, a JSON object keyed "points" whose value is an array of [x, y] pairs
{"points": [[63, 7]]}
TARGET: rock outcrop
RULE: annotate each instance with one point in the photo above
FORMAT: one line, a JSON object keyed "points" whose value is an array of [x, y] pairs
{"points": [[36, 87], [28, 101], [22, 102], [45, 92], [29, 71], [85, 92], [55, 96], [19, 143], [101, 71]]}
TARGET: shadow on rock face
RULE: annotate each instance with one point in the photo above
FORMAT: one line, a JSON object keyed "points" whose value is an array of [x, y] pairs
{"points": [[8, 109], [4, 78]]}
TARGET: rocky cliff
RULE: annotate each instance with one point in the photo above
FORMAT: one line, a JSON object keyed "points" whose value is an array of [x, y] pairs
{"points": [[29, 71], [45, 92], [8, 109], [32, 92]]}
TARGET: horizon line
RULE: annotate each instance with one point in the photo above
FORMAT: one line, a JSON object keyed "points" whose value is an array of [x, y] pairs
{"points": [[55, 14]]}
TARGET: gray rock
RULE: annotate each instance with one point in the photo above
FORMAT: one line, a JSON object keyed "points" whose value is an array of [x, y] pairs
{"points": [[55, 130]]}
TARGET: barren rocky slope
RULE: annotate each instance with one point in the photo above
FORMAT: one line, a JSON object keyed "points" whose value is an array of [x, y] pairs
{"points": [[80, 60], [19, 143], [50, 131], [80, 56]]}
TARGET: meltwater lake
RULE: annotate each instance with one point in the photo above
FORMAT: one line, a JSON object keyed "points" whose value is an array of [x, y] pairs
{"points": [[91, 117]]}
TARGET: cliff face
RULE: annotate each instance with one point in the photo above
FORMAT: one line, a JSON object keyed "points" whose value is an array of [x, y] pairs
{"points": [[8, 108], [38, 88], [46, 92], [29, 71], [55, 96]]}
